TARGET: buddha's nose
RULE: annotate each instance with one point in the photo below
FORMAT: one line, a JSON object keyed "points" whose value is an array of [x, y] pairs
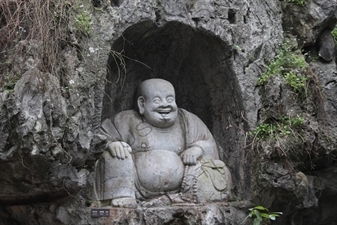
{"points": [[164, 103]]}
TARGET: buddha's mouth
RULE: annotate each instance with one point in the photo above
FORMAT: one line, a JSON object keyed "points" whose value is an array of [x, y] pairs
{"points": [[164, 111]]}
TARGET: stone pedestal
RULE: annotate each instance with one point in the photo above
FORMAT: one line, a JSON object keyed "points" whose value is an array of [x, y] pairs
{"points": [[208, 213]]}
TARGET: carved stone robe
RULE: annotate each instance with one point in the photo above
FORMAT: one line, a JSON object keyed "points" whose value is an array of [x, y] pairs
{"points": [[155, 167]]}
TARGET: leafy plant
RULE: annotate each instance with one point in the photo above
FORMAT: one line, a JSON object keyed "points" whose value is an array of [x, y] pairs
{"points": [[83, 23], [275, 129], [296, 81], [264, 130], [296, 122], [288, 64], [259, 213], [334, 34]]}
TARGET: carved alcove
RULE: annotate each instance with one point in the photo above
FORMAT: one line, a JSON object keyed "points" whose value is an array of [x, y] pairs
{"points": [[198, 64]]}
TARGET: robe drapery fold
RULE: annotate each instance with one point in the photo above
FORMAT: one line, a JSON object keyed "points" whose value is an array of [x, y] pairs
{"points": [[117, 178], [128, 126]]}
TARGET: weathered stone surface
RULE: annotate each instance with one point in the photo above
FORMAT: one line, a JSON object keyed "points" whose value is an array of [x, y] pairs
{"points": [[327, 76], [295, 171], [214, 213], [326, 45], [216, 49], [307, 22]]}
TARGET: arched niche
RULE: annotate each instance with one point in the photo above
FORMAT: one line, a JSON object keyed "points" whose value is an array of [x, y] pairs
{"points": [[197, 63]]}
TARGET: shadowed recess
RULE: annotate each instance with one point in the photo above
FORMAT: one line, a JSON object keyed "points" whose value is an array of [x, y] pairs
{"points": [[197, 63]]}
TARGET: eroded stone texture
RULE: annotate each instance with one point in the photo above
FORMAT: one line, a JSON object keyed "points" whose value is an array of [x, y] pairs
{"points": [[215, 48], [320, 15], [205, 214], [327, 75], [326, 45], [37, 122], [295, 168]]}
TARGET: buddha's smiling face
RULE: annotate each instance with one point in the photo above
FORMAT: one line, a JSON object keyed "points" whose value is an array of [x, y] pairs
{"points": [[157, 103]]}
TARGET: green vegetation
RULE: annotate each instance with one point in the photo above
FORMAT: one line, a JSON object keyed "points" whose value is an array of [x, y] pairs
{"points": [[291, 65], [334, 34], [83, 23], [273, 130], [296, 81], [297, 2], [258, 213], [278, 134], [10, 81]]}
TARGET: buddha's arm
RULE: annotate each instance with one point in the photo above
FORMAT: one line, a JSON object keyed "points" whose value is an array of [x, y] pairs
{"points": [[198, 136], [115, 130]]}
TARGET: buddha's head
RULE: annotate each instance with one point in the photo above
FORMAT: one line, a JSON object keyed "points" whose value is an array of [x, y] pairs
{"points": [[156, 103]]}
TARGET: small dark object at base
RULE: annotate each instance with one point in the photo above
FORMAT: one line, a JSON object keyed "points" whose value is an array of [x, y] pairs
{"points": [[100, 213]]}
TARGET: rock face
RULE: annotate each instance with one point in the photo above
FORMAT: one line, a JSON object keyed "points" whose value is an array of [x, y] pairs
{"points": [[213, 52], [319, 15]]}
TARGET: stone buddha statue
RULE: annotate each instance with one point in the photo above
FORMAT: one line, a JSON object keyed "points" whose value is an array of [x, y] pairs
{"points": [[159, 153]]}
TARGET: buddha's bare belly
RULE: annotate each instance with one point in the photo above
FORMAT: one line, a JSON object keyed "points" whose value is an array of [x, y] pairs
{"points": [[159, 170]]}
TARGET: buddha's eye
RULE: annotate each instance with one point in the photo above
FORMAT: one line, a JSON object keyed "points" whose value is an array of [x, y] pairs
{"points": [[156, 100], [170, 99]]}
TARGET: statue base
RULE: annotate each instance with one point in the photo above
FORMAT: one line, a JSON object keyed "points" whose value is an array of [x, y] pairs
{"points": [[204, 213]]}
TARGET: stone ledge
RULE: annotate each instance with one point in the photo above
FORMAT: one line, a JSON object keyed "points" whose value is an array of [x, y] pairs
{"points": [[224, 213]]}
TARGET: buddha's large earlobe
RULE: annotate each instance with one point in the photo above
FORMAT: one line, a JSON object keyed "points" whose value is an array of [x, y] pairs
{"points": [[141, 103]]}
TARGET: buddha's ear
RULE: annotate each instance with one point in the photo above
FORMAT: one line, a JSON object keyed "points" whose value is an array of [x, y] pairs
{"points": [[141, 104]]}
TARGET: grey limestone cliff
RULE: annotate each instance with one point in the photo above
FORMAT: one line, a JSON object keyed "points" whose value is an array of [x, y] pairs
{"points": [[213, 52]]}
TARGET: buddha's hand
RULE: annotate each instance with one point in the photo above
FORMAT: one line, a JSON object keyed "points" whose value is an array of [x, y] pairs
{"points": [[119, 149], [191, 155]]}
